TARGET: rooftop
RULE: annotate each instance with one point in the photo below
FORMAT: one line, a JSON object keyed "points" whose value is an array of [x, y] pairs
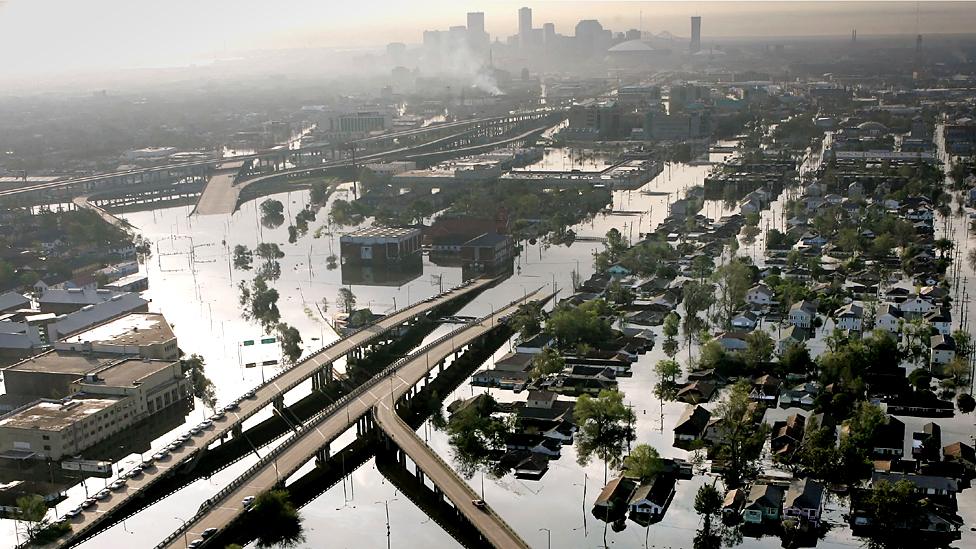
{"points": [[76, 296], [131, 329], [127, 373], [52, 415], [12, 300], [383, 232], [61, 362]]}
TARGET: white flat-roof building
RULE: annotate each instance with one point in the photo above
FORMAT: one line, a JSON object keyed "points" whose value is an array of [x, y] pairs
{"points": [[52, 429], [147, 335]]}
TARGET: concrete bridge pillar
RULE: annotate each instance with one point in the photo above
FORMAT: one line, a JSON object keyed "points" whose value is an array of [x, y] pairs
{"points": [[323, 455], [278, 402], [237, 430], [316, 382]]}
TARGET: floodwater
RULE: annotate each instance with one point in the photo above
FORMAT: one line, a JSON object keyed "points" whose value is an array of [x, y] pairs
{"points": [[194, 285]]}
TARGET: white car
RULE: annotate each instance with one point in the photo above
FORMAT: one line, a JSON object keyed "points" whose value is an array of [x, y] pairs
{"points": [[247, 502]]}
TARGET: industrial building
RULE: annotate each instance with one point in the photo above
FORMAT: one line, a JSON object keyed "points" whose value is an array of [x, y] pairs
{"points": [[102, 402], [147, 335], [93, 315], [487, 252], [64, 301], [379, 245]]}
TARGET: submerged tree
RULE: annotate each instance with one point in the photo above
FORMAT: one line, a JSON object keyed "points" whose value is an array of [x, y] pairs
{"points": [[243, 257], [32, 512], [477, 436], [272, 213], [276, 520], [643, 462], [291, 342], [203, 387], [605, 426], [346, 300]]}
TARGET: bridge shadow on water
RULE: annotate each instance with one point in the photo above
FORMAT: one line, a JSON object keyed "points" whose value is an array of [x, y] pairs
{"points": [[235, 448], [372, 444]]}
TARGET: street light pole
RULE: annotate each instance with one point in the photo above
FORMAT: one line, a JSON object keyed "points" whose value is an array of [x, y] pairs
{"points": [[185, 542], [548, 537]]}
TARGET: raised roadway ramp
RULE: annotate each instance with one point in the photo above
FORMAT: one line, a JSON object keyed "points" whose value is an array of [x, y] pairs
{"points": [[491, 526], [383, 389], [220, 194], [91, 519]]}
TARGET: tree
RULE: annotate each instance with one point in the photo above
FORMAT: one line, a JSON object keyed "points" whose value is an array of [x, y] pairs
{"points": [[319, 193], [260, 303], [733, 280], [644, 462], [702, 266], [277, 522], [346, 300], [740, 440], [708, 502], [857, 438], [671, 325], [527, 320], [32, 511], [605, 425], [272, 213], [759, 348], [291, 342], [796, 359], [583, 324], [203, 387], [478, 437], [548, 362], [964, 344], [818, 454], [894, 509], [242, 257]]}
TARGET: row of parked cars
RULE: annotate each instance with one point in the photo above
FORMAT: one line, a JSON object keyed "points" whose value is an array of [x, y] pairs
{"points": [[150, 462]]}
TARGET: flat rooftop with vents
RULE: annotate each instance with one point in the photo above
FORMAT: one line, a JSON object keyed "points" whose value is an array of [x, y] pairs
{"points": [[147, 335], [52, 415]]}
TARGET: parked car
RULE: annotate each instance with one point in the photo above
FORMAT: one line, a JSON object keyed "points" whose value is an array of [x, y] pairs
{"points": [[74, 512], [208, 532], [102, 494], [479, 503], [247, 502]]}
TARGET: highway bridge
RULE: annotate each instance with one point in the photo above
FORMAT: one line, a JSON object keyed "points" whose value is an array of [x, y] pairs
{"points": [[426, 139], [318, 367], [312, 440]]}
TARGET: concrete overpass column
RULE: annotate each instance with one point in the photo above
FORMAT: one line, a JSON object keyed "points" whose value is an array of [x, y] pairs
{"points": [[323, 455], [278, 402], [237, 430]]}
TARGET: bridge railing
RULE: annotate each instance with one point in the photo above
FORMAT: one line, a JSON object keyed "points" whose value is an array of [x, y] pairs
{"points": [[314, 421], [243, 417]]}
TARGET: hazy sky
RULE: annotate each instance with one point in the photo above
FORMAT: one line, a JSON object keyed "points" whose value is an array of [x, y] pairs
{"points": [[46, 36]]}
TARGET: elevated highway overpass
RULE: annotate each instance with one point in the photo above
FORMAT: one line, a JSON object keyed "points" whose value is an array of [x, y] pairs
{"points": [[358, 408], [318, 367]]}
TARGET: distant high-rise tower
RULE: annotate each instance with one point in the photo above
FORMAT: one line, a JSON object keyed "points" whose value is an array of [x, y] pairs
{"points": [[549, 34], [476, 22], [477, 37], [695, 34], [525, 26]]}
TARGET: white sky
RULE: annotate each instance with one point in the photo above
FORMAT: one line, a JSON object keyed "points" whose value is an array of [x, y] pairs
{"points": [[48, 36]]}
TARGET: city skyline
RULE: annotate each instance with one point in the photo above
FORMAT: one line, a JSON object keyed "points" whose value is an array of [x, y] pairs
{"points": [[88, 37]]}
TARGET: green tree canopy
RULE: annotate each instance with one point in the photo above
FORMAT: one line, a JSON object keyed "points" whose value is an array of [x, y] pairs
{"points": [[643, 463], [605, 425]]}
